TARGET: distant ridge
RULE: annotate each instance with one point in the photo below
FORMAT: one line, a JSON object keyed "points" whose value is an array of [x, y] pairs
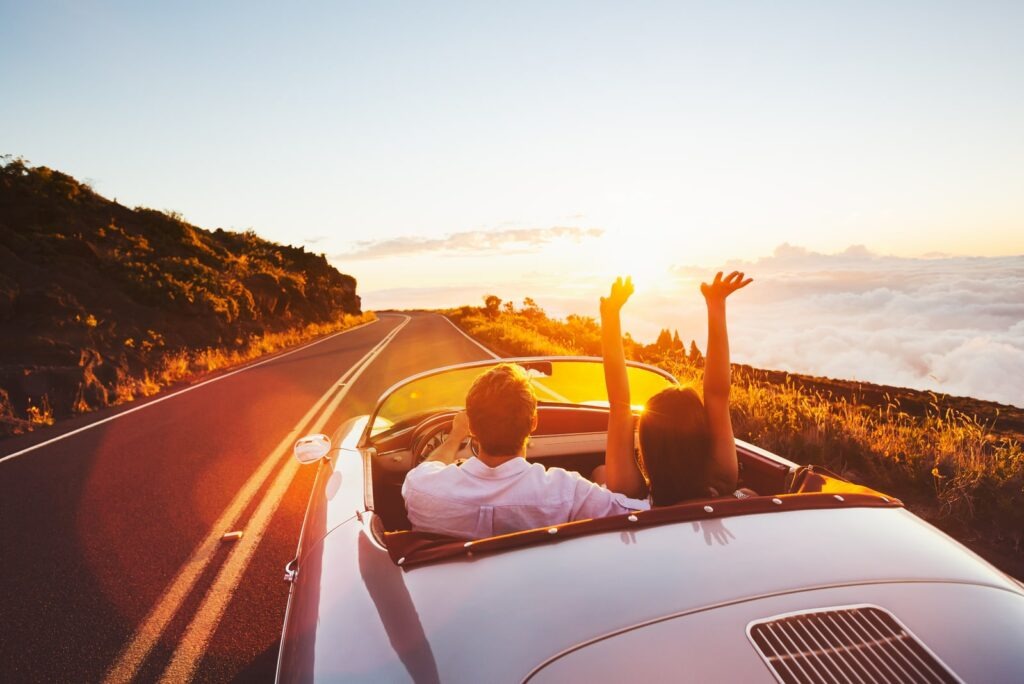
{"points": [[99, 302]]}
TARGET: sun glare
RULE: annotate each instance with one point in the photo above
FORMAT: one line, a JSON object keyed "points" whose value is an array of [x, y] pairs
{"points": [[637, 256]]}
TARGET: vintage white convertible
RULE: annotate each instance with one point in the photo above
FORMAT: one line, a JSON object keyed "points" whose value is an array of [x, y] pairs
{"points": [[815, 580]]}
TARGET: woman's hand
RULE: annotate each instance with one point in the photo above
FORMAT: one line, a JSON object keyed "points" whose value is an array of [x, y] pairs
{"points": [[721, 288], [724, 469], [621, 290], [621, 473]]}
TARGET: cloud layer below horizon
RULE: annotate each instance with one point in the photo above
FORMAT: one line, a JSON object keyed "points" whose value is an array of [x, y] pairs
{"points": [[949, 324]]}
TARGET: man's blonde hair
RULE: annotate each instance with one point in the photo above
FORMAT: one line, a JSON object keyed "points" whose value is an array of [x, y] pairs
{"points": [[501, 405]]}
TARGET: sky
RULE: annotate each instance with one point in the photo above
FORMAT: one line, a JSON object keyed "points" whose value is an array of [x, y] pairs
{"points": [[441, 151]]}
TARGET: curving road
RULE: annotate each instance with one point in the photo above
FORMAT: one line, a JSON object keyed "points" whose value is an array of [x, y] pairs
{"points": [[112, 562]]}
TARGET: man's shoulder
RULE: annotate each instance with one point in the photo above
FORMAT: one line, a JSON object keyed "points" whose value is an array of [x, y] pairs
{"points": [[570, 479], [556, 474], [428, 468], [429, 471]]}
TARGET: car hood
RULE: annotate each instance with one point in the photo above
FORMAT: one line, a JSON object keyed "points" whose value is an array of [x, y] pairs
{"points": [[500, 617], [968, 631]]}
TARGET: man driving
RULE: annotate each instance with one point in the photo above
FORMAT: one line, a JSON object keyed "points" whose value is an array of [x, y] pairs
{"points": [[499, 491]]}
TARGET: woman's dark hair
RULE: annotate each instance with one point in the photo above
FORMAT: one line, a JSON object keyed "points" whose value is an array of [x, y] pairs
{"points": [[675, 446]]}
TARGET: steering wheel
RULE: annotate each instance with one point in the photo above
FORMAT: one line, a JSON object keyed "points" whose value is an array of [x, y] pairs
{"points": [[432, 433]]}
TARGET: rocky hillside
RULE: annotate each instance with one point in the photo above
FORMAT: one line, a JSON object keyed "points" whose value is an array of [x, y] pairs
{"points": [[94, 295]]}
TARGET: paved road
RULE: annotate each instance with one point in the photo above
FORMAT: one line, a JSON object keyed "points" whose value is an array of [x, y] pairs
{"points": [[96, 527]]}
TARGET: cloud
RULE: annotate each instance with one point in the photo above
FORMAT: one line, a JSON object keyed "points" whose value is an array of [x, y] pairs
{"points": [[950, 324], [470, 242]]}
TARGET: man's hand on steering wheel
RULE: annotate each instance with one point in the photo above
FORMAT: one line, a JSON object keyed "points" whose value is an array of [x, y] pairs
{"points": [[459, 431], [460, 426]]}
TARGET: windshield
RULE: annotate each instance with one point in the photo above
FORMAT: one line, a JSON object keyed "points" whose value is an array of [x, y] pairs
{"points": [[556, 381]]}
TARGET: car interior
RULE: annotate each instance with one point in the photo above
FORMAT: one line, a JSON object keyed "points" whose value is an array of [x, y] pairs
{"points": [[569, 437]]}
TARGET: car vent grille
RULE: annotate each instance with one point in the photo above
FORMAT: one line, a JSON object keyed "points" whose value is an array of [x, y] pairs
{"points": [[846, 644]]}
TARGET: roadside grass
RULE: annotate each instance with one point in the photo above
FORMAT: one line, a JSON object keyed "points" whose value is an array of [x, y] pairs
{"points": [[188, 365], [40, 415], [948, 466]]}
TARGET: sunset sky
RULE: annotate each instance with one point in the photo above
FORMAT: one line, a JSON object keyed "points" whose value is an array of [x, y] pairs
{"points": [[440, 151]]}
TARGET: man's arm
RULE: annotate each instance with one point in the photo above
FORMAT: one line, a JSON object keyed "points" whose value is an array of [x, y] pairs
{"points": [[724, 470], [621, 473], [594, 501], [447, 452]]}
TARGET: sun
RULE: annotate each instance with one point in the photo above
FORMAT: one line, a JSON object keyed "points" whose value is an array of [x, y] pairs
{"points": [[646, 260]]}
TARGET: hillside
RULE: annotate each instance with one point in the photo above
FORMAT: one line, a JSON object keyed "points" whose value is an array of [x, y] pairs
{"points": [[956, 461], [100, 303]]}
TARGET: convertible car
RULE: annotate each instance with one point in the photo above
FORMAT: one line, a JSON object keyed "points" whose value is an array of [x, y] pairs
{"points": [[815, 579]]}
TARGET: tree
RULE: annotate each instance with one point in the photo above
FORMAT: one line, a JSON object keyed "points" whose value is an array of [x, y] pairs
{"points": [[677, 344], [531, 309], [664, 342], [695, 357], [492, 303]]}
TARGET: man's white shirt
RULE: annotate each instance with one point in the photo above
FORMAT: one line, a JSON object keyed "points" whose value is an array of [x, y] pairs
{"points": [[473, 500]]}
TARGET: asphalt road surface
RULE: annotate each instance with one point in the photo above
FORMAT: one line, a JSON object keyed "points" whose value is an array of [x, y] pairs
{"points": [[112, 562]]}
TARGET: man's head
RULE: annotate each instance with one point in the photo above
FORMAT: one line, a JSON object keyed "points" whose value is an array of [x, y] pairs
{"points": [[502, 410]]}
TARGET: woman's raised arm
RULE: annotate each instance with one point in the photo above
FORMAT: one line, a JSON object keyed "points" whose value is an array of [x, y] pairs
{"points": [[724, 469], [621, 471]]}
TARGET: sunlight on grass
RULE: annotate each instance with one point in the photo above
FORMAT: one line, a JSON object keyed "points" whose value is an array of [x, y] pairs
{"points": [[188, 365]]}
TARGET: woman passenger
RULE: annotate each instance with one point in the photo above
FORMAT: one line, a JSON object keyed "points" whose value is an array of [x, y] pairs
{"points": [[687, 449]]}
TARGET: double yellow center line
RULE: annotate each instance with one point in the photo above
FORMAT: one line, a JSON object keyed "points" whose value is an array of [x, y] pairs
{"points": [[199, 631]]}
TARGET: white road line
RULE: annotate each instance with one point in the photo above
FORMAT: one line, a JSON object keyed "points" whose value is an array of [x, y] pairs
{"points": [[493, 355], [147, 634], [174, 394], [555, 395], [199, 632]]}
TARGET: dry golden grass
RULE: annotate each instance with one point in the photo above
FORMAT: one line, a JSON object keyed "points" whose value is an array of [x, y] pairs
{"points": [[187, 365], [40, 415], [945, 464]]}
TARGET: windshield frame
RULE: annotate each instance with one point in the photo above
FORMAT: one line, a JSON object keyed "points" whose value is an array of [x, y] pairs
{"points": [[365, 438]]}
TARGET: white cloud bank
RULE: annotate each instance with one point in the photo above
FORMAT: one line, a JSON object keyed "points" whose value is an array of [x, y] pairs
{"points": [[951, 324]]}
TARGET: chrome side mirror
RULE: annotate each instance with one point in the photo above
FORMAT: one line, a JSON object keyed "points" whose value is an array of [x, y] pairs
{"points": [[312, 448]]}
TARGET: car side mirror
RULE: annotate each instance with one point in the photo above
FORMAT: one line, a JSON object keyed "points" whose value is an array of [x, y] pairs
{"points": [[312, 448]]}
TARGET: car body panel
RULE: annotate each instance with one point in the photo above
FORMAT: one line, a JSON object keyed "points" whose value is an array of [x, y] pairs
{"points": [[712, 645], [337, 495]]}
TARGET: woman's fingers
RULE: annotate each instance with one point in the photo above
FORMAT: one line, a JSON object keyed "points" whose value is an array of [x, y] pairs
{"points": [[724, 286], [739, 283], [620, 291]]}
